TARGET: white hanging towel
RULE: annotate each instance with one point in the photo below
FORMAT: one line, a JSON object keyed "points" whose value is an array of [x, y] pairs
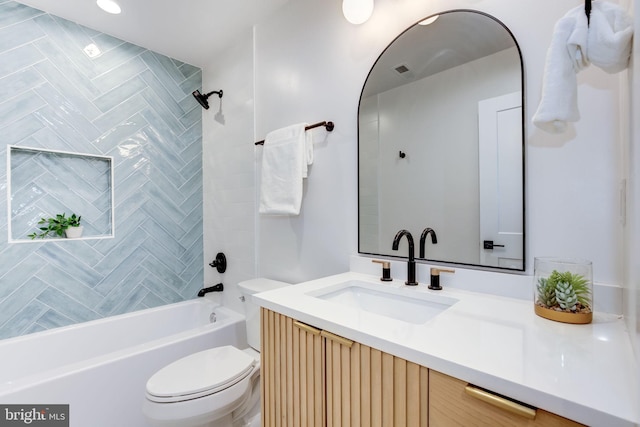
{"points": [[609, 41], [605, 42], [286, 155]]}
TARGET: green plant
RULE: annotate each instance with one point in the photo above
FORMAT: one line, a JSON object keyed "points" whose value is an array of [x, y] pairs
{"points": [[546, 292], [566, 296], [56, 226], [566, 290]]}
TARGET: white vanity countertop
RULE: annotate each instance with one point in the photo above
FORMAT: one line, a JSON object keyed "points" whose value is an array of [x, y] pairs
{"points": [[586, 373]]}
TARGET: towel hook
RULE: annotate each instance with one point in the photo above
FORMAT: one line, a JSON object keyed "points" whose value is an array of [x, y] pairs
{"points": [[587, 10]]}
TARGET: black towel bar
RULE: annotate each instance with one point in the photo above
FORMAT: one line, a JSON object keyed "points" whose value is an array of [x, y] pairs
{"points": [[328, 125]]}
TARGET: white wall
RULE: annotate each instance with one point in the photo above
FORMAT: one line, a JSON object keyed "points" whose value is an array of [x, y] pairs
{"points": [[310, 65], [228, 170], [573, 178], [307, 70], [631, 155]]}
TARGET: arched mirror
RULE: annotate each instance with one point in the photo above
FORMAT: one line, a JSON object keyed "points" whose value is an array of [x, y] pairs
{"points": [[441, 143]]}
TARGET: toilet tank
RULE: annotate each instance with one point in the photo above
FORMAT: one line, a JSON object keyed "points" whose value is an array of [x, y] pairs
{"points": [[251, 310]]}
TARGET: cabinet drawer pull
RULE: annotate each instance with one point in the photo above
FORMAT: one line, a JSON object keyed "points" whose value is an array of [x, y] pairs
{"points": [[501, 402], [336, 338], [306, 328]]}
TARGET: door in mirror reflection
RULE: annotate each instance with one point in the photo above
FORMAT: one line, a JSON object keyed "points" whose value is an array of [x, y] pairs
{"points": [[500, 160]]}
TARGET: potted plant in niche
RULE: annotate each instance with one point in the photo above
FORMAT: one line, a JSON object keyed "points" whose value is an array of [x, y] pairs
{"points": [[59, 226], [563, 289]]}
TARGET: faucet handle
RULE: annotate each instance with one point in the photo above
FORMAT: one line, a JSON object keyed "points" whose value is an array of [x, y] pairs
{"points": [[436, 271], [386, 270], [435, 277]]}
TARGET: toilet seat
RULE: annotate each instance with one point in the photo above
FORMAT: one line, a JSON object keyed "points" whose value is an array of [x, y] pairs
{"points": [[200, 374]]}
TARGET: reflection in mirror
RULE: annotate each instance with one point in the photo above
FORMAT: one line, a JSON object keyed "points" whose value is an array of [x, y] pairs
{"points": [[441, 143]]}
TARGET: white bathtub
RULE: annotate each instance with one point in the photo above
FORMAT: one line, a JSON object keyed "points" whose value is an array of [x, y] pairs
{"points": [[100, 368]]}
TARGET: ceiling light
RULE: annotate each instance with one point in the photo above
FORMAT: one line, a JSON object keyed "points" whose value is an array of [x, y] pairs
{"points": [[109, 6], [357, 11], [429, 20]]}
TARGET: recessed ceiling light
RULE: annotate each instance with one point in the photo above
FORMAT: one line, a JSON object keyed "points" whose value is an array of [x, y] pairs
{"points": [[92, 51], [109, 6]]}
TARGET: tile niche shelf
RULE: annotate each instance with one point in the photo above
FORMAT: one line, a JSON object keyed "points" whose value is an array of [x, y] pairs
{"points": [[42, 183]]}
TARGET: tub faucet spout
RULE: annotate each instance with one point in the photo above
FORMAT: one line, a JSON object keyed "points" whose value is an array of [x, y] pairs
{"points": [[215, 288], [411, 263]]}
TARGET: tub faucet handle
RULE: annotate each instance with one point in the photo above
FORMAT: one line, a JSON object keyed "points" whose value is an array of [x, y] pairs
{"points": [[219, 263]]}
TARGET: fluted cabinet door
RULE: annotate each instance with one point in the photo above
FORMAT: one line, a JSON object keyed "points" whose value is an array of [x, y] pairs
{"points": [[315, 378], [367, 387], [292, 373]]}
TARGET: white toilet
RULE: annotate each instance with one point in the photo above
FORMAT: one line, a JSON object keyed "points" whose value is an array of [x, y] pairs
{"points": [[219, 387]]}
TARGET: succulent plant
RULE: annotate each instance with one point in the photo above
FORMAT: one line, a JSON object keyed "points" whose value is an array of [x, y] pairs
{"points": [[546, 292], [564, 290], [566, 296]]}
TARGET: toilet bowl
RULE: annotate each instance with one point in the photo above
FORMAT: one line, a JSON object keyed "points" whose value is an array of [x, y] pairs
{"points": [[218, 387]]}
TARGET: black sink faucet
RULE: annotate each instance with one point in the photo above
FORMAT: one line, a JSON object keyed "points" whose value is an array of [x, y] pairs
{"points": [[411, 263], [423, 237]]}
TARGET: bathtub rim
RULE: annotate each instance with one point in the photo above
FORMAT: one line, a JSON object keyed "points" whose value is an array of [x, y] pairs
{"points": [[11, 385]]}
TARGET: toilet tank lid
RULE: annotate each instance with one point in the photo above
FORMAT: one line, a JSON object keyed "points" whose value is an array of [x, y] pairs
{"points": [[260, 284]]}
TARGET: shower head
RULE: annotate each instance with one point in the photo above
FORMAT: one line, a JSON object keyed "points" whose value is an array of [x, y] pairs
{"points": [[202, 99]]}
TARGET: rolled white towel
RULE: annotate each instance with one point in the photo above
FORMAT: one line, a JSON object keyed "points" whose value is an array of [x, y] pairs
{"points": [[577, 42], [610, 37], [605, 42], [566, 56]]}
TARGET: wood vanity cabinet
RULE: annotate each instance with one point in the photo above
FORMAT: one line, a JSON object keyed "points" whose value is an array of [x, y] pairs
{"points": [[453, 402], [313, 378]]}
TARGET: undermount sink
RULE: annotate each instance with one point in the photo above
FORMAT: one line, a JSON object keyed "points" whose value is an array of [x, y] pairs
{"points": [[404, 305]]}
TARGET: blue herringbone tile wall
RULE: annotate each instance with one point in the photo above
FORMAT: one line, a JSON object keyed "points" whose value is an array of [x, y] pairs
{"points": [[129, 103]]}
